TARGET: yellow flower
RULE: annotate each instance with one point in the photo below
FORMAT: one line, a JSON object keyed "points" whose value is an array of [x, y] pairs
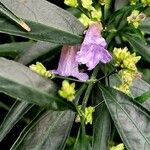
{"points": [[71, 3], [132, 2], [40, 69], [118, 147], [124, 87], [85, 20], [145, 2], [88, 114], [135, 18], [67, 90], [125, 59], [87, 4], [96, 14]]}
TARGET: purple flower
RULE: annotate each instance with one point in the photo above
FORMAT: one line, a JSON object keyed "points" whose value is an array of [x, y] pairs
{"points": [[68, 66], [93, 49]]}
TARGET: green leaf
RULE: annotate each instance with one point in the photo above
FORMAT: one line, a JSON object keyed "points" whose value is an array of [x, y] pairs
{"points": [[82, 140], [13, 116], [120, 4], [5, 11], [46, 131], [138, 89], [131, 119], [45, 13], [18, 81], [101, 122], [37, 50], [14, 49], [138, 45], [145, 25], [144, 97], [40, 32], [40, 16]]}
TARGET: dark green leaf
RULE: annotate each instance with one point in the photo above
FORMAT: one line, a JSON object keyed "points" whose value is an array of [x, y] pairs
{"points": [[40, 32], [102, 122], [40, 16], [14, 115], [144, 97], [145, 25], [19, 81], [138, 89], [46, 13], [46, 132], [5, 11], [13, 49], [37, 50], [131, 119], [138, 45]]}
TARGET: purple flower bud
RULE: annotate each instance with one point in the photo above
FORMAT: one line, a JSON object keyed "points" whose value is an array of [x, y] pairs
{"points": [[93, 49], [68, 66]]}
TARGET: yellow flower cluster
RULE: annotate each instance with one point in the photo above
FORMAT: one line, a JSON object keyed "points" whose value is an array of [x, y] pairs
{"points": [[94, 13], [87, 115], [145, 2], [41, 70], [127, 63], [118, 147], [67, 91], [135, 18], [71, 3], [132, 2]]}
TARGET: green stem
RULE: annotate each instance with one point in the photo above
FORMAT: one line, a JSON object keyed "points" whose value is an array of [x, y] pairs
{"points": [[89, 88]]}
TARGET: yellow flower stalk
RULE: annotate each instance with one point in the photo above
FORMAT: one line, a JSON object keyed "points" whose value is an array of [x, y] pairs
{"points": [[40, 69], [87, 4], [67, 90], [145, 2]]}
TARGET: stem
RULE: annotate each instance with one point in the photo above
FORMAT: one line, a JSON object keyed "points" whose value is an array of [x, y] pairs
{"points": [[71, 79], [89, 88]]}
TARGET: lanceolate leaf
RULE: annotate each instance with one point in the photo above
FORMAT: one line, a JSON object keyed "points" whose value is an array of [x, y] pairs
{"points": [[138, 45], [14, 49], [101, 122], [131, 119], [37, 50], [19, 81], [46, 132], [138, 89], [42, 16], [14, 115], [46, 13], [40, 32]]}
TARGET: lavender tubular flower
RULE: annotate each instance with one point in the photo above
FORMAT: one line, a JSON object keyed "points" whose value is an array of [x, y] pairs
{"points": [[68, 66], [93, 49]]}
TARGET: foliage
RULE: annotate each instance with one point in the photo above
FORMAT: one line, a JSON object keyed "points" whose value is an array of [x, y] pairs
{"points": [[99, 96]]}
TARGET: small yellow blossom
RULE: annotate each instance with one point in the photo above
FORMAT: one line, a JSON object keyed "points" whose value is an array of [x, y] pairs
{"points": [[135, 18], [124, 87], [87, 115], [40, 69], [87, 4], [67, 90], [71, 3], [145, 2], [118, 147], [85, 20], [125, 59], [96, 14]]}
